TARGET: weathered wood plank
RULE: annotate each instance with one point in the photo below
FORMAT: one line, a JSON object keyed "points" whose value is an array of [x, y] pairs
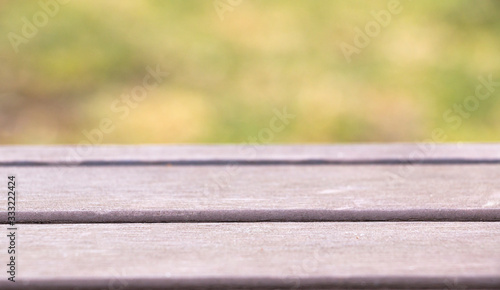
{"points": [[250, 154], [256, 193], [259, 254]]}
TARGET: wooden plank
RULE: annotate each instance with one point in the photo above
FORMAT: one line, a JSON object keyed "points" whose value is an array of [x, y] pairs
{"points": [[250, 154], [256, 193], [259, 254]]}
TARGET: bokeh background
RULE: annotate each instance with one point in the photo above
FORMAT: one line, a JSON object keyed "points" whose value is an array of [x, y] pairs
{"points": [[226, 77]]}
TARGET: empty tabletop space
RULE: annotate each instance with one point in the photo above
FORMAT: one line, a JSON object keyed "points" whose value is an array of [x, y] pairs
{"points": [[266, 254], [239, 217]]}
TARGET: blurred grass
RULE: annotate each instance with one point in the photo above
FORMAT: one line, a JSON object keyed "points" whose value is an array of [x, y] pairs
{"points": [[226, 77]]}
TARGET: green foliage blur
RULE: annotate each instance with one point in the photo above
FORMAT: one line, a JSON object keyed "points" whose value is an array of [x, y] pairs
{"points": [[230, 67]]}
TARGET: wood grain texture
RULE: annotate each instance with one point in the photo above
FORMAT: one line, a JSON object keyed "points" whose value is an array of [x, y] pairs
{"points": [[250, 154], [259, 254], [135, 217], [256, 193]]}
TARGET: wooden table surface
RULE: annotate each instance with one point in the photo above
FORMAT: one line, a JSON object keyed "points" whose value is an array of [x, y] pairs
{"points": [[312, 216]]}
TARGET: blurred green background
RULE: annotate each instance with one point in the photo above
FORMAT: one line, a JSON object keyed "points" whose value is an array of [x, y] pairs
{"points": [[227, 76]]}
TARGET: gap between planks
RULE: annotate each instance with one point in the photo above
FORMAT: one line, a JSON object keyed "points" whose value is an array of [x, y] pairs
{"points": [[233, 162], [253, 216], [288, 283]]}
